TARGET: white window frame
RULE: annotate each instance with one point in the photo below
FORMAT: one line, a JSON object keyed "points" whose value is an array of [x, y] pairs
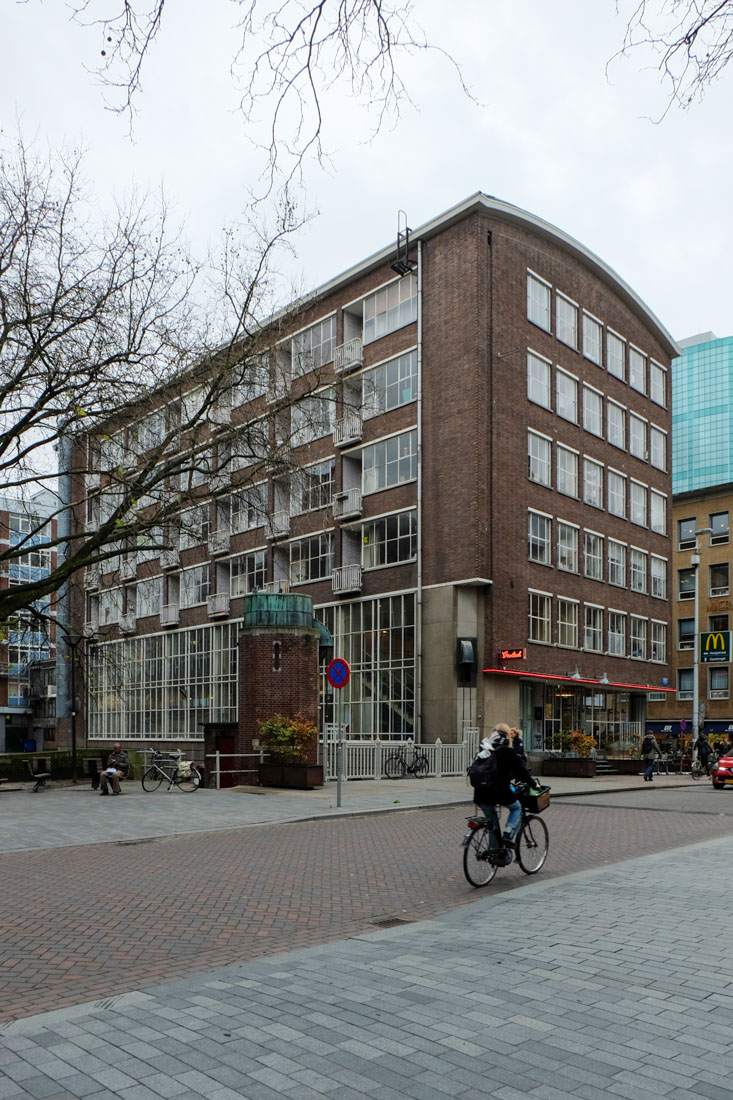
{"points": [[389, 540], [593, 553], [657, 447], [539, 380], [539, 301], [617, 563], [657, 512], [567, 623], [540, 617], [593, 411], [566, 320], [566, 480], [592, 339], [592, 482], [613, 340], [389, 462], [658, 577], [539, 455], [390, 308], [638, 634], [567, 546], [616, 424], [658, 383], [658, 641], [194, 585], [592, 628], [617, 489], [637, 369], [566, 395], [638, 569], [638, 437], [616, 633], [718, 675], [685, 675], [539, 538], [390, 384], [638, 493]]}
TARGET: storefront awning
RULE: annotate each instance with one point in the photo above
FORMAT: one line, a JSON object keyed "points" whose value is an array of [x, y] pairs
{"points": [[552, 678]]}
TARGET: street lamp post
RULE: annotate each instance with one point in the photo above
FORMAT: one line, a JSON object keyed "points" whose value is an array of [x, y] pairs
{"points": [[73, 641], [695, 562]]}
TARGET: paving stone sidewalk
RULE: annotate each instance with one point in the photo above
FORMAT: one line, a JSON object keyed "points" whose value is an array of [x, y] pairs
{"points": [[587, 986]]}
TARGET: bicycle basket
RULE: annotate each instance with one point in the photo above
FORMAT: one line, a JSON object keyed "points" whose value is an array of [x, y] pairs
{"points": [[534, 800]]}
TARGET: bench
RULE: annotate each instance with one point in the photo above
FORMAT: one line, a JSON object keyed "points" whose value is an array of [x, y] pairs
{"points": [[37, 777]]}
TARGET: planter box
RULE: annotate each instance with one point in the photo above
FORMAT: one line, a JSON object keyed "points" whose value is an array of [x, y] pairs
{"points": [[579, 767], [302, 777], [627, 766]]}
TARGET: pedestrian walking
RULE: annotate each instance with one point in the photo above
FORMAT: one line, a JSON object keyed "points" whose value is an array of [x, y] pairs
{"points": [[703, 752], [649, 753], [515, 740]]}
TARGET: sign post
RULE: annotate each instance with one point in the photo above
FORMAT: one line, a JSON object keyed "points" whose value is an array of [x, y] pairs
{"points": [[337, 674]]}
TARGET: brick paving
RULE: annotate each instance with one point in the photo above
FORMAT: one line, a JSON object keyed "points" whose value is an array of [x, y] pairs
{"points": [[86, 922]]}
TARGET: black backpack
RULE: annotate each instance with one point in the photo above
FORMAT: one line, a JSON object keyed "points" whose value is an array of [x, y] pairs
{"points": [[482, 772], [647, 745]]}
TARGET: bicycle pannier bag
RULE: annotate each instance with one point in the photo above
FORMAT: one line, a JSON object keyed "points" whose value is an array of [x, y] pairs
{"points": [[184, 769]]}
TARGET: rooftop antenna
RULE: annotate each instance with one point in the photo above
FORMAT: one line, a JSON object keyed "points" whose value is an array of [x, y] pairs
{"points": [[403, 265]]}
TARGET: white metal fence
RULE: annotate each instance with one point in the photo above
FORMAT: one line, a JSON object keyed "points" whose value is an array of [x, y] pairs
{"points": [[366, 759]]}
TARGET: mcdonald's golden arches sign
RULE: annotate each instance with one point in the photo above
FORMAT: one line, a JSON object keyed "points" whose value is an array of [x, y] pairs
{"points": [[715, 647]]}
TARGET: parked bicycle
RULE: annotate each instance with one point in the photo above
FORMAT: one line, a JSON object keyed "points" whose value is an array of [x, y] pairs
{"points": [[397, 766], [698, 769], [484, 850], [168, 766]]}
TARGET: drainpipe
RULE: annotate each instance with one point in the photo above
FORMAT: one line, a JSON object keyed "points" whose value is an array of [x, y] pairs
{"points": [[64, 703], [418, 595]]}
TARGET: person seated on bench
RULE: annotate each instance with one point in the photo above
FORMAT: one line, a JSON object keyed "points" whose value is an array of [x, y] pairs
{"points": [[117, 768]]}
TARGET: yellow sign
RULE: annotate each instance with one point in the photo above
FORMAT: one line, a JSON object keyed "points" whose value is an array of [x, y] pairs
{"points": [[715, 647]]}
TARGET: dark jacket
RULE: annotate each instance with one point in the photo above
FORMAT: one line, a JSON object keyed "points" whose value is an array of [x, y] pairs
{"points": [[518, 747], [119, 760], [506, 766]]}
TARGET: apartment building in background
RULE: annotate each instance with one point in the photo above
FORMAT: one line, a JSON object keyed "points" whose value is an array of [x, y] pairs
{"points": [[702, 486], [27, 642], [480, 510]]}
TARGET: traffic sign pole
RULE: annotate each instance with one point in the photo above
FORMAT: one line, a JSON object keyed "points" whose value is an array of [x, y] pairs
{"points": [[338, 674]]}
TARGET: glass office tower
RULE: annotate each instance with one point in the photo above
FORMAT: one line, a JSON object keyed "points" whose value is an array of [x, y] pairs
{"points": [[702, 414]]}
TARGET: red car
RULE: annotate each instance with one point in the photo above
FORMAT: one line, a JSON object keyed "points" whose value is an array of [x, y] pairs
{"points": [[722, 772]]}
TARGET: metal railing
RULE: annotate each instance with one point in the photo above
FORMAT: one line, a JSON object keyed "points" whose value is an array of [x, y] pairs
{"points": [[215, 769], [365, 759]]}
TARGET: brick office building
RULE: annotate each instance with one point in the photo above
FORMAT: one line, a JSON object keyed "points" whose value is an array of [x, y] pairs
{"points": [[482, 522]]}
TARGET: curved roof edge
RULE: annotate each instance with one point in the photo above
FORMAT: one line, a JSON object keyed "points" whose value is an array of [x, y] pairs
{"points": [[512, 214]]}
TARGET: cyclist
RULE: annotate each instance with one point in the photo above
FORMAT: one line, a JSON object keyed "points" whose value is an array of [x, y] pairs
{"points": [[496, 765]]}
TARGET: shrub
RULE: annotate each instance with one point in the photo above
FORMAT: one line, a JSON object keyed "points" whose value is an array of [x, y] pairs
{"points": [[288, 739]]}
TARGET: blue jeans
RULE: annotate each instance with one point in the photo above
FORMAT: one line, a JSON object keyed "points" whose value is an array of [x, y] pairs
{"points": [[650, 761], [515, 816]]}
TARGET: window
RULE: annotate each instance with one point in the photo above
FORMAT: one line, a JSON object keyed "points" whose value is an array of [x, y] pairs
{"points": [[592, 483], [312, 417], [311, 559], [685, 633], [593, 629], [247, 573], [617, 494], [540, 534], [149, 598], [718, 581], [110, 606], [637, 369], [313, 486], [658, 574], [637, 503], [593, 555], [637, 569], [616, 424], [720, 525], [390, 308], [617, 633], [566, 396], [567, 547], [391, 384], [686, 534], [684, 683], [567, 472], [616, 563], [658, 384], [251, 381], [567, 623], [390, 462], [658, 640], [658, 512], [314, 347], [540, 609], [592, 411], [389, 540], [637, 436], [718, 683], [248, 508], [592, 338], [194, 527], [686, 584], [658, 448], [638, 638], [193, 585], [615, 355], [538, 380], [539, 450], [566, 318], [538, 301], [718, 622]]}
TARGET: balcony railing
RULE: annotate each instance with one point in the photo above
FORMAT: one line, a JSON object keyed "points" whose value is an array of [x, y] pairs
{"points": [[90, 628], [219, 542], [170, 559], [276, 587], [128, 569], [348, 356], [347, 430], [347, 578], [91, 577], [169, 615], [218, 603], [280, 524], [347, 504], [128, 623]]}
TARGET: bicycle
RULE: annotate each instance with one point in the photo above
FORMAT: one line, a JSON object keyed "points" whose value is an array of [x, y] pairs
{"points": [[484, 850], [698, 769], [183, 773], [396, 766]]}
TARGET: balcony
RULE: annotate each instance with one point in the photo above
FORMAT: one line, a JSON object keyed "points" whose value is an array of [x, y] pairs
{"points": [[91, 577], [275, 588], [128, 623], [90, 628], [280, 524], [347, 578], [347, 430], [219, 542], [169, 615], [128, 569], [347, 505], [170, 559], [218, 604], [221, 413], [348, 356]]}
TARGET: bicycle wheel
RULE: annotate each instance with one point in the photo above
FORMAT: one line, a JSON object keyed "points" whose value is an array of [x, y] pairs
{"points": [[190, 782], [421, 766], [697, 770], [476, 866], [394, 766], [531, 845], [152, 779]]}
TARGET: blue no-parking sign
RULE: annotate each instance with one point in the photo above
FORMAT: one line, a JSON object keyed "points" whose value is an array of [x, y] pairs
{"points": [[338, 672]]}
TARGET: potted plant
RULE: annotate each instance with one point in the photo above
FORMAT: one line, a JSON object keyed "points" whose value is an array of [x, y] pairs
{"points": [[576, 757], [291, 744]]}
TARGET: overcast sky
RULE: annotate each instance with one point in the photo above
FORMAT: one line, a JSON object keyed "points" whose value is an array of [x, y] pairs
{"points": [[553, 133]]}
